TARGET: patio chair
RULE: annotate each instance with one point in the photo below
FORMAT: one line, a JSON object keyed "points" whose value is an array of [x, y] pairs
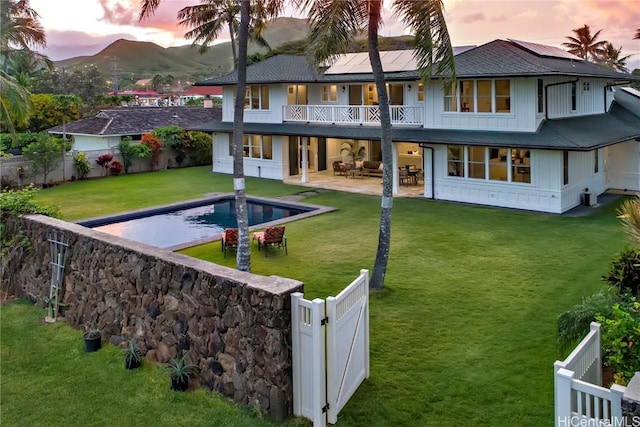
{"points": [[340, 168], [229, 240], [271, 237]]}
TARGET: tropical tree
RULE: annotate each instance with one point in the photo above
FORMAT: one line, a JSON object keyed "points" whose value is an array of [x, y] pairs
{"points": [[20, 31], [265, 9], [44, 154], [585, 45], [637, 36], [209, 18], [334, 25], [610, 57]]}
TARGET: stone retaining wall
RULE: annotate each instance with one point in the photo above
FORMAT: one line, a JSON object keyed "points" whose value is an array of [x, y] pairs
{"points": [[237, 325]]}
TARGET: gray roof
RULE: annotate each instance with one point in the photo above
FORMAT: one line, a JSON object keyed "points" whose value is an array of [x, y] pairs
{"points": [[575, 133], [499, 58], [139, 120]]}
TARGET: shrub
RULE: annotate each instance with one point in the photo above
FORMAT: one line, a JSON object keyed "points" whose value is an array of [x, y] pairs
{"points": [[155, 147], [115, 168], [175, 138], [202, 148], [82, 164], [620, 334], [624, 272], [104, 161]]}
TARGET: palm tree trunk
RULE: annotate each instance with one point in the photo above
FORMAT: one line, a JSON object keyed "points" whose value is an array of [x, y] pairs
{"points": [[243, 256], [384, 236], [232, 38]]}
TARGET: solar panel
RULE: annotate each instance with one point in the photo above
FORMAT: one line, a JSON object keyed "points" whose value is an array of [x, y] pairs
{"points": [[354, 63], [544, 50]]}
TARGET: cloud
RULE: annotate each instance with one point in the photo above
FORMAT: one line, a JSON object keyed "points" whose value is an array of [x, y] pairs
{"points": [[118, 12], [473, 17]]}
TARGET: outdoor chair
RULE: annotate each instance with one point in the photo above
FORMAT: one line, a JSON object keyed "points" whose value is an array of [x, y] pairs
{"points": [[339, 168], [229, 240], [271, 237]]}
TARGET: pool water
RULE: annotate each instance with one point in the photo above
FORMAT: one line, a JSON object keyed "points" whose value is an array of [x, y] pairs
{"points": [[170, 228]]}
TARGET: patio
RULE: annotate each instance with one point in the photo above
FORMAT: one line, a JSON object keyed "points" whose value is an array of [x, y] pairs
{"points": [[358, 184]]}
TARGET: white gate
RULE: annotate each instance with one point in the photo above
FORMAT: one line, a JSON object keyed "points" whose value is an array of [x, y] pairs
{"points": [[330, 350]]}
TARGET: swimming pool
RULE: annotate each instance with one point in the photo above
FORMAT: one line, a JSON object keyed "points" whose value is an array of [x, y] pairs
{"points": [[186, 224]]}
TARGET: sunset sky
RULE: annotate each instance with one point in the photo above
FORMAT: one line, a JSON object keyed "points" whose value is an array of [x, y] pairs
{"points": [[84, 27]]}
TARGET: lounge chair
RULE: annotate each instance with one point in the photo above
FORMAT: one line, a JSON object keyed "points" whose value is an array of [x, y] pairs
{"points": [[229, 240], [271, 237], [339, 167]]}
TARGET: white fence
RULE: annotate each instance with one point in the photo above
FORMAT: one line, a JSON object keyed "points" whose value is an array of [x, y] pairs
{"points": [[330, 350], [580, 398], [358, 114]]}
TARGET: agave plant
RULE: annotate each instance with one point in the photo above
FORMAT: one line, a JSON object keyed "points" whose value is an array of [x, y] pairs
{"points": [[132, 355], [180, 371]]}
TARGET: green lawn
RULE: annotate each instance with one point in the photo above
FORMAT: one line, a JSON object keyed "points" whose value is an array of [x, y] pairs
{"points": [[464, 333]]}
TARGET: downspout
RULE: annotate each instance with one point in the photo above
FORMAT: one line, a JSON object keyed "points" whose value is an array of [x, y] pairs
{"points": [[604, 93], [546, 95], [433, 180]]}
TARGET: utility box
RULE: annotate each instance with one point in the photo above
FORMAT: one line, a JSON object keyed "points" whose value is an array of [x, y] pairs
{"points": [[589, 198]]}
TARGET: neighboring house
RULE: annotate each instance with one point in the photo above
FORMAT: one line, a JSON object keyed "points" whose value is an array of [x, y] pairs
{"points": [[201, 92], [105, 130], [525, 126]]}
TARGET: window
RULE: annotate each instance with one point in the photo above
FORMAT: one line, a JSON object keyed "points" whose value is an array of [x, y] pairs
{"points": [[498, 164], [482, 96], [492, 163], [586, 87], [455, 160], [450, 99], [396, 93], [254, 146], [503, 96], [256, 98], [540, 96], [573, 96], [477, 162], [467, 96], [420, 92], [595, 162], [565, 167], [329, 93]]}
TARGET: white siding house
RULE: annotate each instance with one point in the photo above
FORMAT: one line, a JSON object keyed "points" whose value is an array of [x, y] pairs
{"points": [[524, 126]]}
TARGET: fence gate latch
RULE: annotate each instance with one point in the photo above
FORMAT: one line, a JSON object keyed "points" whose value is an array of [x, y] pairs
{"points": [[324, 321], [325, 408]]}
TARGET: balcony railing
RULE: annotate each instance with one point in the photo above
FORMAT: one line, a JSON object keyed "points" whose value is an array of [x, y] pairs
{"points": [[351, 114]]}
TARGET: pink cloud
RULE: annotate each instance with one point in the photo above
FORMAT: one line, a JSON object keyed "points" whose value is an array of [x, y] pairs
{"points": [[473, 17]]}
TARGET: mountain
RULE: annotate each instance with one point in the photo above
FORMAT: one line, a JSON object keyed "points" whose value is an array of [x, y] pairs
{"points": [[133, 60]]}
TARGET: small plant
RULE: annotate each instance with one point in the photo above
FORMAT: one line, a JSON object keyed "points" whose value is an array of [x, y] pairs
{"points": [[155, 147], [624, 272], [621, 340], [82, 164], [132, 355], [180, 372], [104, 161], [92, 340], [115, 168]]}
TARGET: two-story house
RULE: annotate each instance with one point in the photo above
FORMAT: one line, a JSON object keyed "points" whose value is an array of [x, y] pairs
{"points": [[525, 125]]}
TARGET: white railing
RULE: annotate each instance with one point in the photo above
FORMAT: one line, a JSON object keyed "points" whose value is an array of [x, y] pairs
{"points": [[351, 114], [578, 391]]}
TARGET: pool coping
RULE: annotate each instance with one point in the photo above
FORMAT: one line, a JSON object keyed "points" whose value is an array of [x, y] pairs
{"points": [[213, 197]]}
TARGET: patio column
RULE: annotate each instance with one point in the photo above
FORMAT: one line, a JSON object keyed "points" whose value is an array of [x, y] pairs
{"points": [[394, 166], [305, 160]]}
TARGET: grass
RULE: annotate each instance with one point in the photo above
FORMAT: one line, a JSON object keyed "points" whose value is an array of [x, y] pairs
{"points": [[463, 334]]}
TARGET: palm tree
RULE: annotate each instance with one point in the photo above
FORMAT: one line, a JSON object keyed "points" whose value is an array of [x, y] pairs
{"points": [[584, 44], [264, 9], [610, 58], [334, 24], [209, 18], [20, 31]]}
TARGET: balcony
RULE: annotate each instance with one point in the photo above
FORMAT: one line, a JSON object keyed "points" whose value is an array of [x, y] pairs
{"points": [[351, 114]]}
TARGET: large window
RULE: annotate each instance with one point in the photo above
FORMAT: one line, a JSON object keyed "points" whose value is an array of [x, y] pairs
{"points": [[482, 96], [254, 146], [490, 163], [574, 100], [256, 97]]}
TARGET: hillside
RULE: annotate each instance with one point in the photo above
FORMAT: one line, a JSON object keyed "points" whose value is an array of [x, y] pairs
{"points": [[135, 60]]}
